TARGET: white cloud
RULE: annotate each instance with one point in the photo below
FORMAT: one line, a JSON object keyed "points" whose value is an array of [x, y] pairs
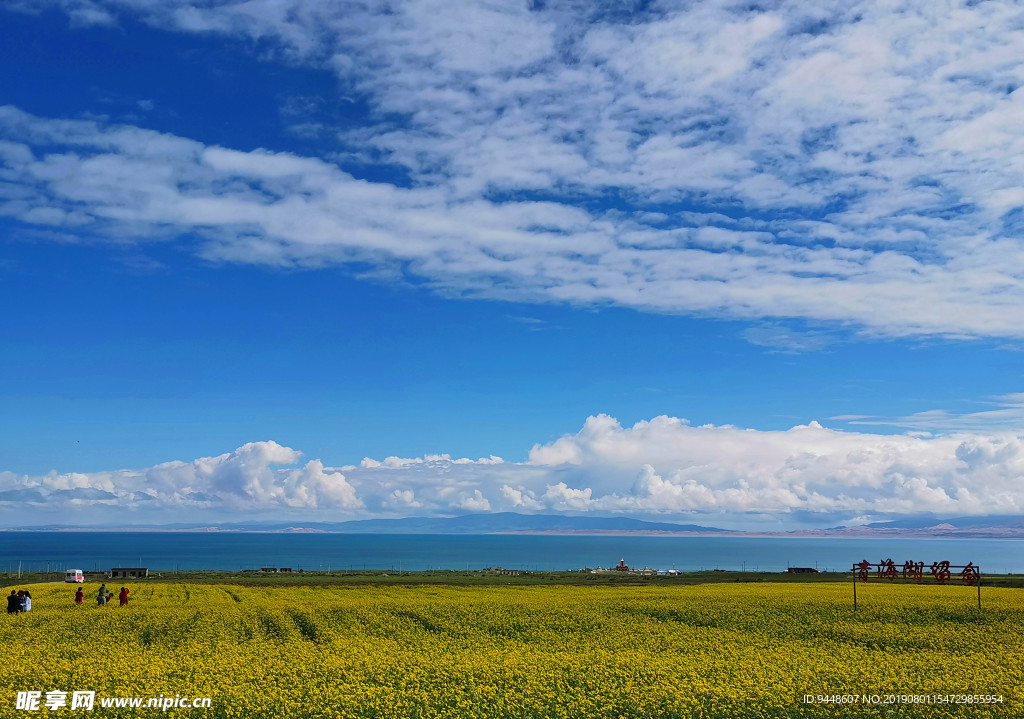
{"points": [[841, 162], [783, 339], [1007, 414], [664, 466], [402, 499], [560, 496], [475, 503], [519, 498], [242, 480]]}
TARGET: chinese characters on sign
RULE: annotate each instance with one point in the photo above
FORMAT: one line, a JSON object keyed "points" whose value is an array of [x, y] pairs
{"points": [[942, 571], [913, 570], [970, 574]]}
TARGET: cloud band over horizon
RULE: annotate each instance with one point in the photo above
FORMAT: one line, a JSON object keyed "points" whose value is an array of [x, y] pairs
{"points": [[662, 467]]}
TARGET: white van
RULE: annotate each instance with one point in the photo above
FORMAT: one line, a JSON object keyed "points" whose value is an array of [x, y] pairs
{"points": [[74, 575]]}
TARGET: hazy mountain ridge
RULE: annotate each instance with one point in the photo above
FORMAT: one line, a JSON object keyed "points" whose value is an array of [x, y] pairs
{"points": [[1005, 521], [1002, 526], [500, 522]]}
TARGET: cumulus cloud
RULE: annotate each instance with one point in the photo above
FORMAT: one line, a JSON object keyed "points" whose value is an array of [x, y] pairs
{"points": [[475, 503], [561, 496], [401, 499], [519, 499], [663, 466], [679, 468], [666, 466], [839, 162], [243, 480]]}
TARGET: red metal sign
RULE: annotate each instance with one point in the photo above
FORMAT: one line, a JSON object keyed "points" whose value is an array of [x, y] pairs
{"points": [[942, 572]]}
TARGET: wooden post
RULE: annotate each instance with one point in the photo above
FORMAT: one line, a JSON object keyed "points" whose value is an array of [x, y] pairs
{"points": [[979, 588], [854, 589]]}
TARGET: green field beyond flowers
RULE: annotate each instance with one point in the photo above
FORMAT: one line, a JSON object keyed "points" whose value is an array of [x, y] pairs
{"points": [[714, 650]]}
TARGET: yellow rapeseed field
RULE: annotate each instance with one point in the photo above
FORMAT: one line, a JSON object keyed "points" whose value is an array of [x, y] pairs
{"points": [[717, 650]]}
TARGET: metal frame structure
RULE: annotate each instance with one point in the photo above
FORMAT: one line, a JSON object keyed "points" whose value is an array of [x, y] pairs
{"points": [[942, 572]]}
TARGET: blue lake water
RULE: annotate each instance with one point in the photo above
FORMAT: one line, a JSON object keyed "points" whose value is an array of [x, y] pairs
{"points": [[162, 551]]}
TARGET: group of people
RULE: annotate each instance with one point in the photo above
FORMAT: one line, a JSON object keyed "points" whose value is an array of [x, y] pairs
{"points": [[19, 601], [103, 596]]}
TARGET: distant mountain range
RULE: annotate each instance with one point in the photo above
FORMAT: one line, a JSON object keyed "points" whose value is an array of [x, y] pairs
{"points": [[989, 526], [497, 523], [1004, 521], [1005, 526], [501, 522]]}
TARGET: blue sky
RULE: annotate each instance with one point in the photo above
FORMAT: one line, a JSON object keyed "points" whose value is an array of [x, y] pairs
{"points": [[752, 266]]}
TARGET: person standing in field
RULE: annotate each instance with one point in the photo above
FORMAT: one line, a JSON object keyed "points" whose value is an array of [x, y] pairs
{"points": [[123, 597], [26, 602], [101, 597], [79, 597], [13, 603]]}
